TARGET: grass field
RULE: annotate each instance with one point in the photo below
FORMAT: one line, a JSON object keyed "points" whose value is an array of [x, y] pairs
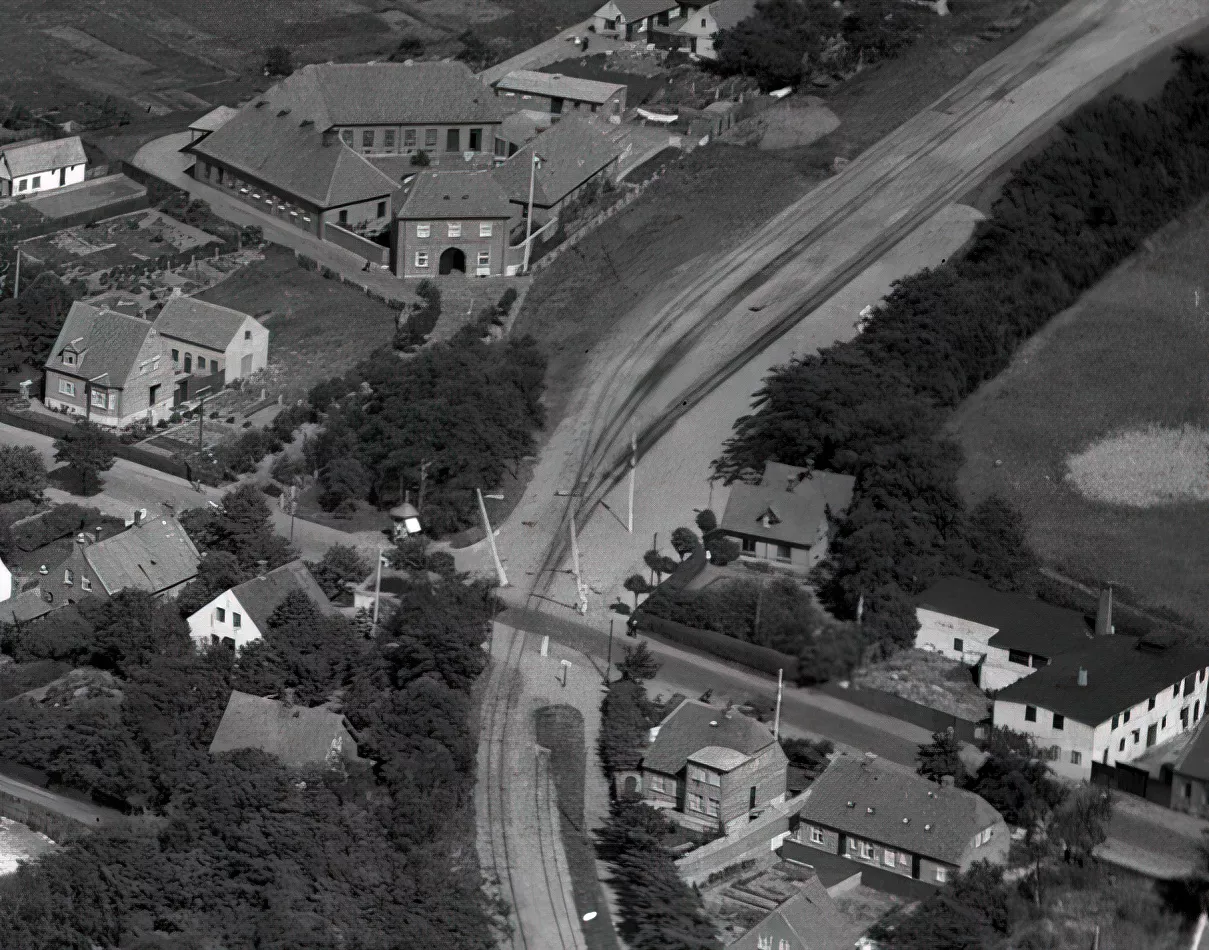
{"points": [[1109, 388], [318, 328]]}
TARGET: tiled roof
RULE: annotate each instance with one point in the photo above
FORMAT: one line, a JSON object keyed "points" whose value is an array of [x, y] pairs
{"points": [[1121, 672], [153, 556], [33, 157], [794, 516], [295, 735], [444, 93], [534, 83], [718, 758], [109, 343], [262, 595], [687, 730], [639, 9], [214, 120], [811, 915], [730, 13], [570, 153], [25, 606], [1024, 623], [196, 321], [524, 125], [940, 821], [460, 194], [1194, 763]]}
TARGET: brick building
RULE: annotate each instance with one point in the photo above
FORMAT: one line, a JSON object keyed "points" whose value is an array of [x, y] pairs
{"points": [[558, 94], [203, 338]]}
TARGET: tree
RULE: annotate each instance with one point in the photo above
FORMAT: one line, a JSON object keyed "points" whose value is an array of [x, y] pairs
{"points": [[243, 527], [707, 521], [22, 473], [1081, 821], [341, 565], [942, 757], [722, 550], [474, 51], [685, 542], [88, 450], [654, 560], [410, 46], [637, 584], [639, 663], [807, 754], [278, 61]]}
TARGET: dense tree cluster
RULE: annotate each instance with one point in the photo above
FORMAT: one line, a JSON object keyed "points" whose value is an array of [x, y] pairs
{"points": [[874, 406], [22, 473], [30, 324], [245, 853], [452, 419], [786, 41]]}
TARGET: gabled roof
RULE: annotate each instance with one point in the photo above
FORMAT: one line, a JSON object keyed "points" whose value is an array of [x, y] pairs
{"points": [[1194, 762], [728, 13], [25, 606], [1023, 623], [214, 120], [569, 153], [1121, 672], [106, 344], [794, 515], [29, 158], [718, 758], [811, 915], [262, 595], [639, 9], [534, 83], [687, 730], [295, 735], [457, 194], [196, 321], [154, 556], [940, 821]]}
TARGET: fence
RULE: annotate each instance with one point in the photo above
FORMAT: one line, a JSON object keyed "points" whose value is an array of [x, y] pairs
{"points": [[309, 263], [361, 246], [719, 645], [760, 837], [51, 225], [934, 720], [572, 239]]}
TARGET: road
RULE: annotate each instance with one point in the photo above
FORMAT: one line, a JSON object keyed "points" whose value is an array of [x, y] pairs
{"points": [[710, 319], [84, 812]]}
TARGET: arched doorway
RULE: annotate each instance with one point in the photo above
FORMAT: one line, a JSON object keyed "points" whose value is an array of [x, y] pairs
{"points": [[452, 259]]}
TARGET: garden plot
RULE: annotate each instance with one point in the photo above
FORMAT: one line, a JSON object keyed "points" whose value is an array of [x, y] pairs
{"points": [[129, 239]]}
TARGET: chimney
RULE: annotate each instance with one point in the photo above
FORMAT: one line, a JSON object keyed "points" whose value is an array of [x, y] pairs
{"points": [[792, 483], [261, 567], [1082, 678], [82, 540], [96, 534], [1104, 613], [946, 781], [139, 515]]}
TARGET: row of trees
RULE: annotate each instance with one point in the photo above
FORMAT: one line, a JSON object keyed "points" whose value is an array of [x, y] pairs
{"points": [[874, 406]]}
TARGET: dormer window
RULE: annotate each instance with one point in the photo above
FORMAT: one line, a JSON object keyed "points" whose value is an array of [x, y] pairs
{"points": [[69, 358]]}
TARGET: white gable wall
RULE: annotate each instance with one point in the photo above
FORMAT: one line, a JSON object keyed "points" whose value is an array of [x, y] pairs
{"points": [[48, 180], [215, 622], [252, 339], [6, 582]]}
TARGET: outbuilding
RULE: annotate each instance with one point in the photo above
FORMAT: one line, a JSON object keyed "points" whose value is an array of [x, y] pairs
{"points": [[204, 338]]}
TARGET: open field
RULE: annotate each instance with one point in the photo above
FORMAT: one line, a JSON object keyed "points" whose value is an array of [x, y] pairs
{"points": [[1125, 364], [318, 327]]}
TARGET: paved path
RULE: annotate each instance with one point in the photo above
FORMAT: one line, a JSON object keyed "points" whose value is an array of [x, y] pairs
{"points": [[84, 812]]}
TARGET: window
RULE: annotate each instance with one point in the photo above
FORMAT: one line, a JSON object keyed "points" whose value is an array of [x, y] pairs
{"points": [[113, 400], [247, 334], [1125, 717], [69, 359], [783, 552], [1030, 713], [201, 362], [959, 645], [656, 783], [866, 850], [1189, 684], [696, 803], [942, 875], [409, 138], [455, 228], [1116, 720], [711, 807], [346, 135], [1150, 704], [1121, 747], [453, 140], [68, 576], [1184, 718], [484, 229], [421, 258], [85, 583], [423, 230], [66, 387], [390, 138], [889, 858], [1187, 789], [381, 209], [98, 398], [703, 21], [344, 215], [37, 181], [176, 356], [852, 845], [1059, 721], [430, 138], [1076, 758], [1137, 736], [220, 615], [749, 546], [22, 185], [1018, 657], [484, 258], [1163, 725], [764, 943], [816, 836], [236, 619]]}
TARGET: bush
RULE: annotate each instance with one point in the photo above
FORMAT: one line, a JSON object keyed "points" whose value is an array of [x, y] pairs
{"points": [[423, 317], [419, 159], [507, 299], [22, 473]]}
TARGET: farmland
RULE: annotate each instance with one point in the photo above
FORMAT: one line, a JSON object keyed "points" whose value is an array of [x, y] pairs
{"points": [[1097, 430]]}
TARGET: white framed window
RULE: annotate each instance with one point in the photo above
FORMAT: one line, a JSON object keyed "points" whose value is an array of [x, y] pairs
{"points": [[816, 836], [902, 859], [22, 185], [67, 387], [696, 802], [113, 400], [37, 181], [764, 942], [711, 807], [1076, 758], [852, 845], [656, 783], [866, 850], [236, 620], [889, 858], [68, 577], [942, 875], [423, 230], [484, 229], [455, 228], [220, 615], [421, 258], [69, 359], [85, 583], [98, 398], [484, 258]]}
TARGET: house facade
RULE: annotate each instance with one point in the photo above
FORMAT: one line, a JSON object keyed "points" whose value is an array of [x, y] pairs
{"points": [[883, 816], [559, 95], [1108, 703], [203, 338], [711, 769], [1003, 637], [785, 519], [30, 168], [701, 27], [453, 222], [110, 368], [240, 615], [6, 582], [631, 19]]}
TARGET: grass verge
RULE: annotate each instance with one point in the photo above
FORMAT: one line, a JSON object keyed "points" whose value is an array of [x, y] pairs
{"points": [[561, 730]]}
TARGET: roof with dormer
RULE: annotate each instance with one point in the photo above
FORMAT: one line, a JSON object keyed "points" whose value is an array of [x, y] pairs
{"points": [[104, 345], [788, 506]]}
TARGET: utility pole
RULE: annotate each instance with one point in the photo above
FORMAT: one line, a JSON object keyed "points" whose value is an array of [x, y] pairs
{"points": [[495, 554], [529, 217], [581, 604], [423, 478], [776, 725], [377, 591], [633, 467], [17, 278], [201, 421]]}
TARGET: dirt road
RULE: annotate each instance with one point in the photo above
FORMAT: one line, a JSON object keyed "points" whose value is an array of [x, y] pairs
{"points": [[710, 319]]}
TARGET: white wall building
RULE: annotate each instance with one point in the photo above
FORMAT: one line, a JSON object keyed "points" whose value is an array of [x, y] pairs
{"points": [[29, 168], [1107, 703], [240, 615], [6, 582]]}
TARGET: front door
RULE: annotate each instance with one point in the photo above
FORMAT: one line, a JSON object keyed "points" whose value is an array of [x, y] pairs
{"points": [[153, 395], [556, 105], [62, 177], [452, 140], [245, 365], [188, 362], [751, 799], [452, 259]]}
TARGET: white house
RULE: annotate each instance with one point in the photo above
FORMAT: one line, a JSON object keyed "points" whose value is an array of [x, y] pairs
{"points": [[203, 338], [6, 582], [1004, 637], [240, 615], [28, 168], [628, 18], [1108, 702], [701, 28]]}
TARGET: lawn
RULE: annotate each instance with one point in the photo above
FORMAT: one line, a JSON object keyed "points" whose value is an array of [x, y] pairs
{"points": [[318, 328], [561, 730], [1096, 431]]}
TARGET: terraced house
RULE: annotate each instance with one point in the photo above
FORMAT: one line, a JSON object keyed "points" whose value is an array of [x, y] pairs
{"points": [[322, 148]]}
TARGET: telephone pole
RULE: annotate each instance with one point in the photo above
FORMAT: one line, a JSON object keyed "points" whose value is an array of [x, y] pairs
{"points": [[495, 554], [377, 591], [581, 592], [633, 467], [17, 278], [776, 726]]}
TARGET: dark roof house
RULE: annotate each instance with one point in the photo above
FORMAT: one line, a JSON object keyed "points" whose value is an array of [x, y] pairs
{"points": [[103, 345], [295, 735], [695, 731], [195, 321], [26, 606], [534, 83], [455, 194], [810, 920], [568, 154], [261, 595], [787, 506], [155, 555]]}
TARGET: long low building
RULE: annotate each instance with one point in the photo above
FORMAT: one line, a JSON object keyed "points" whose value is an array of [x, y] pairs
{"points": [[557, 94], [28, 168]]}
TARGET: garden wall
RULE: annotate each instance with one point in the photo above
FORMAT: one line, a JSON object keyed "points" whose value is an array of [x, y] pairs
{"points": [[761, 837], [719, 645], [363, 247], [52, 225]]}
